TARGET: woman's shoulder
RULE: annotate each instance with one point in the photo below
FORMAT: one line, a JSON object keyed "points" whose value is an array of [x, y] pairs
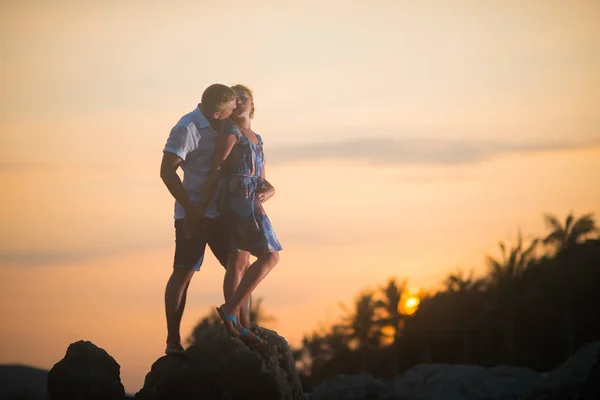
{"points": [[228, 127]]}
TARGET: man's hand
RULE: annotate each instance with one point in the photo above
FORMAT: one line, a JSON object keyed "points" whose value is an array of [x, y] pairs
{"points": [[192, 222], [266, 193]]}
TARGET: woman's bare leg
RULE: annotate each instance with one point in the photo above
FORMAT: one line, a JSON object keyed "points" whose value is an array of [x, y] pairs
{"points": [[236, 267], [253, 276]]}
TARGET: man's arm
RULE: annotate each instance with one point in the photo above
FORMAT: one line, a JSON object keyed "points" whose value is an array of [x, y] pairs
{"points": [[168, 174]]}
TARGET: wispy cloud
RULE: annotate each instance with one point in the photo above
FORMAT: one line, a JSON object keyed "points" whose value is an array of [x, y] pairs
{"points": [[42, 258], [416, 150], [36, 258]]}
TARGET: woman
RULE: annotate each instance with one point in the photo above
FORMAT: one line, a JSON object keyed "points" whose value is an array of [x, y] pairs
{"points": [[239, 160]]}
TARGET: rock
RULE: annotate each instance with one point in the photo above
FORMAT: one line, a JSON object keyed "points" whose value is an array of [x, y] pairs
{"points": [[355, 387], [23, 382], [86, 372], [221, 367], [576, 379], [572, 379], [462, 382], [433, 382], [591, 389]]}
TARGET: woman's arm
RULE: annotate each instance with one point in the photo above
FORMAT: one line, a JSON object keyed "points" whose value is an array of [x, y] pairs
{"points": [[267, 190], [225, 143]]}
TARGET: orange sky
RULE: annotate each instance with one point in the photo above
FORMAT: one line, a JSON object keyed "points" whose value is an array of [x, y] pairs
{"points": [[404, 140]]}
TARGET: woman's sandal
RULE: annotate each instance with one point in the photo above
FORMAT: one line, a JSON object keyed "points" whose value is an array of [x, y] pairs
{"points": [[229, 318], [250, 338]]}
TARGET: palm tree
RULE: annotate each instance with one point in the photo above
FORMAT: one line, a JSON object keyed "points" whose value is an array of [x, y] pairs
{"points": [[393, 318], [257, 314], [312, 352], [361, 326], [505, 279], [202, 326], [458, 282], [336, 342], [465, 290], [562, 239]]}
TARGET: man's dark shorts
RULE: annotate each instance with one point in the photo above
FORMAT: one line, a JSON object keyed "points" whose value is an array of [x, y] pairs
{"points": [[189, 253]]}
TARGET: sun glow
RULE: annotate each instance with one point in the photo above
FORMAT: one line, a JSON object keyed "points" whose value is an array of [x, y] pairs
{"points": [[410, 304]]}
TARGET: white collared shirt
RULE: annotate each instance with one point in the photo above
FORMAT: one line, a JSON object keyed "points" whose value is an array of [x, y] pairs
{"points": [[193, 140]]}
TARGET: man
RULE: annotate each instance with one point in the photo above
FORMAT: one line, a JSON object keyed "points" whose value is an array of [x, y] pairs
{"points": [[190, 145]]}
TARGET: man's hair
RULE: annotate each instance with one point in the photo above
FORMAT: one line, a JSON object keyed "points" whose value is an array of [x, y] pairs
{"points": [[247, 90], [216, 96]]}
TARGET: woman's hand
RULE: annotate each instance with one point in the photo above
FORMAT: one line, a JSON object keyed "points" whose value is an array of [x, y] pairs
{"points": [[266, 193]]}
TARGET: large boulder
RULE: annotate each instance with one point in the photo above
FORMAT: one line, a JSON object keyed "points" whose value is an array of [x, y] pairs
{"points": [[86, 372], [464, 382], [433, 382], [218, 367], [353, 387], [23, 382], [591, 388], [577, 378]]}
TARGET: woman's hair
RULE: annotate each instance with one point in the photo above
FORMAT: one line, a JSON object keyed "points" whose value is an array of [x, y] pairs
{"points": [[247, 90]]}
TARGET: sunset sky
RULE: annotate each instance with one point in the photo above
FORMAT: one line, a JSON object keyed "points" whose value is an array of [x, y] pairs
{"points": [[404, 138]]}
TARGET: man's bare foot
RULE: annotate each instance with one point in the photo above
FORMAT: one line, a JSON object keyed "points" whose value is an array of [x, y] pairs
{"points": [[230, 322]]}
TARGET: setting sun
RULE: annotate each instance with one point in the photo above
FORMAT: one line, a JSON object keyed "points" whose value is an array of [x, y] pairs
{"points": [[410, 305]]}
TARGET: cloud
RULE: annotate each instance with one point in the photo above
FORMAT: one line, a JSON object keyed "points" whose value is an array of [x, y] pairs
{"points": [[415, 150], [36, 258], [42, 258]]}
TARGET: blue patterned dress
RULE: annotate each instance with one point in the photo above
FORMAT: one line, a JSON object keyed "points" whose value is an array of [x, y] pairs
{"points": [[249, 226]]}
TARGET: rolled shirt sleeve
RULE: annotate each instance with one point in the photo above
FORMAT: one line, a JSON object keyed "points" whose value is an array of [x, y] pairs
{"points": [[181, 141]]}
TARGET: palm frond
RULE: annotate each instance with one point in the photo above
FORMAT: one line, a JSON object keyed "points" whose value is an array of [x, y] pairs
{"points": [[552, 222], [568, 223], [582, 227]]}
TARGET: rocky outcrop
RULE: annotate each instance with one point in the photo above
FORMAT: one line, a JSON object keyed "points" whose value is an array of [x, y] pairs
{"points": [[433, 382], [22, 382], [353, 387], [578, 378], [86, 372], [221, 367]]}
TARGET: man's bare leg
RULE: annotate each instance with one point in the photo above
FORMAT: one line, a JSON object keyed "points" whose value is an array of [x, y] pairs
{"points": [[175, 298]]}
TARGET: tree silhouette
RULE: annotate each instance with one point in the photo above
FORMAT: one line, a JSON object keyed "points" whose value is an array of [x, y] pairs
{"points": [[393, 319], [362, 326], [562, 239], [202, 326], [505, 285], [509, 314], [465, 293], [257, 314]]}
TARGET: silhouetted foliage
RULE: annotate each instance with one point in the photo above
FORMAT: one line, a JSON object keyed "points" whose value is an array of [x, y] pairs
{"points": [[529, 309]]}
